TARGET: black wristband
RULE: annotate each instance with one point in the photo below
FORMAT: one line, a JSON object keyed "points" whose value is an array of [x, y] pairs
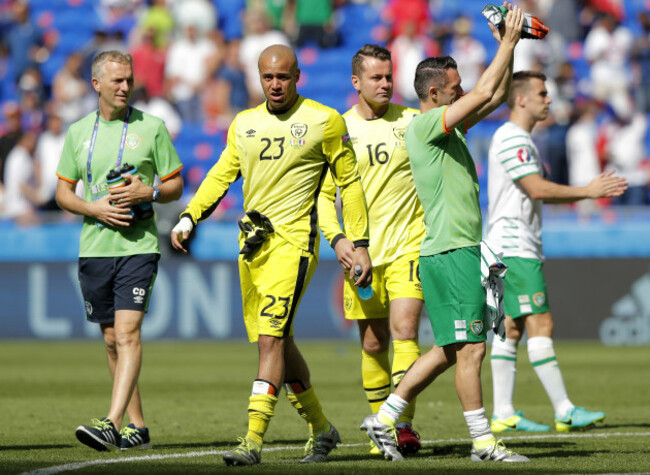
{"points": [[336, 239], [361, 243]]}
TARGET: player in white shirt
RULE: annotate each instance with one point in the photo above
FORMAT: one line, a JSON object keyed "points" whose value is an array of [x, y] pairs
{"points": [[516, 190]]}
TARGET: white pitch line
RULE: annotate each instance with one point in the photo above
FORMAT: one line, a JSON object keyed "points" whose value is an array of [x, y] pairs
{"points": [[90, 463]]}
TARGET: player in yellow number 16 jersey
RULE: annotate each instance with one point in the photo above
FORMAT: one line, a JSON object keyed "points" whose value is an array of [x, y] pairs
{"points": [[377, 129]]}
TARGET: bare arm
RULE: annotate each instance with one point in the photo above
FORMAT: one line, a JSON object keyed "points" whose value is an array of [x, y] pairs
{"points": [[171, 189], [344, 249], [491, 81], [499, 97], [100, 209], [604, 185], [136, 192]]}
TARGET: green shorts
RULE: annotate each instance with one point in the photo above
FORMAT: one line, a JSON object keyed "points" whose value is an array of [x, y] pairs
{"points": [[525, 287], [453, 295]]}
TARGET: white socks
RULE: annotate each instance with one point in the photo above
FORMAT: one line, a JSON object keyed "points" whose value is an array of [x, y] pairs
{"points": [[542, 357], [392, 409], [478, 424], [504, 370]]}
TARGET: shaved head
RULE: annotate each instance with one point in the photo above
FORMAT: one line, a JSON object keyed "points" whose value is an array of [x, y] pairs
{"points": [[279, 74], [278, 53]]}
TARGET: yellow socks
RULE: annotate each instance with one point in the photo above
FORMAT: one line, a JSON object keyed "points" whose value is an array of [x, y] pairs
{"points": [[405, 352], [308, 406], [261, 407], [375, 374]]}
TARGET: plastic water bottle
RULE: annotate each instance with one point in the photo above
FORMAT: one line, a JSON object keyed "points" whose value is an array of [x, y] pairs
{"points": [[115, 180], [142, 210], [365, 293]]}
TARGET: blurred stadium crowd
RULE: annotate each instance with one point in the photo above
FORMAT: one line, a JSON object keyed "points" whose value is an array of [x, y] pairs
{"points": [[195, 65]]}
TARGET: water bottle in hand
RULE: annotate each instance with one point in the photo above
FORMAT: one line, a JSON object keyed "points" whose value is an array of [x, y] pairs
{"points": [[365, 293], [142, 210]]}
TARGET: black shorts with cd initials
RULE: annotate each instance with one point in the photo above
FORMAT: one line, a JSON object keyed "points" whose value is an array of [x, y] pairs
{"points": [[116, 283]]}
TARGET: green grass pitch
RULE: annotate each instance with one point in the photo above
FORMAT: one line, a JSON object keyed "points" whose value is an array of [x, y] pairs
{"points": [[195, 397]]}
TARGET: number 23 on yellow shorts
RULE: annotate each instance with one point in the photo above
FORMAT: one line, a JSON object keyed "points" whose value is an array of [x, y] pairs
{"points": [[272, 284]]}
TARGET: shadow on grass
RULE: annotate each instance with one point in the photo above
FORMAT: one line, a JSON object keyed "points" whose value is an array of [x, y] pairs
{"points": [[35, 447], [644, 425], [197, 445], [230, 444], [535, 450]]}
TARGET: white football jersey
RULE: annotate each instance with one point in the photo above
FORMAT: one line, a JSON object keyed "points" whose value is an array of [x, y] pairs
{"points": [[515, 219]]}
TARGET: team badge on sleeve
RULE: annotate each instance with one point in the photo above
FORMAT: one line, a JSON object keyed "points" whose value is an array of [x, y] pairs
{"points": [[345, 138], [524, 155]]}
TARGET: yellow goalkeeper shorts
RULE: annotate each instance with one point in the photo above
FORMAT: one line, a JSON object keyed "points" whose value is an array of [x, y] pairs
{"points": [[395, 280], [272, 284]]}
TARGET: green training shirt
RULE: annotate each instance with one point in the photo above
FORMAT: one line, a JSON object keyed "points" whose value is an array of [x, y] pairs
{"points": [[148, 146], [446, 183]]}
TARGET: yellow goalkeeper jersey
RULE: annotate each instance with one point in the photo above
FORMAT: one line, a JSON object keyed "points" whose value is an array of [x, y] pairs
{"points": [[283, 160], [395, 213]]}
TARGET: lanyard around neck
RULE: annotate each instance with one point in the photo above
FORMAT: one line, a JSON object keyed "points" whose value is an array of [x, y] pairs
{"points": [[91, 148]]}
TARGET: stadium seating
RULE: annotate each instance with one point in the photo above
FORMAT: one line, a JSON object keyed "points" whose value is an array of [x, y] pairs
{"points": [[325, 73]]}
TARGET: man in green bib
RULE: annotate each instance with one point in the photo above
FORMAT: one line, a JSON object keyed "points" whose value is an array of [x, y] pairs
{"points": [[117, 151], [450, 258]]}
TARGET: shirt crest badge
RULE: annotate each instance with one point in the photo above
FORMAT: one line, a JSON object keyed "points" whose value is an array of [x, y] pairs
{"points": [[299, 130], [133, 141]]}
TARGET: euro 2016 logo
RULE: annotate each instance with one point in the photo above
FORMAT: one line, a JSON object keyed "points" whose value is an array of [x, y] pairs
{"points": [[523, 154]]}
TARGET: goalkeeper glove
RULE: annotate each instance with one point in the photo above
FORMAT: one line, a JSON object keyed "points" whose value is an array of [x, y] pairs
{"points": [[533, 28], [256, 227]]}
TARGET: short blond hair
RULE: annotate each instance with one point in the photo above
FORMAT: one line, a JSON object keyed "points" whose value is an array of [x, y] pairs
{"points": [[97, 69]]}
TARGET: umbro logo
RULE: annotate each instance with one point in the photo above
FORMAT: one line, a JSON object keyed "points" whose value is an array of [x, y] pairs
{"points": [[250, 133], [138, 295]]}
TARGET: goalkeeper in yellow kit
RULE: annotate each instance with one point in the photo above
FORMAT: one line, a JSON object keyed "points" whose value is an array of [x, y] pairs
{"points": [[283, 149], [377, 129]]}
